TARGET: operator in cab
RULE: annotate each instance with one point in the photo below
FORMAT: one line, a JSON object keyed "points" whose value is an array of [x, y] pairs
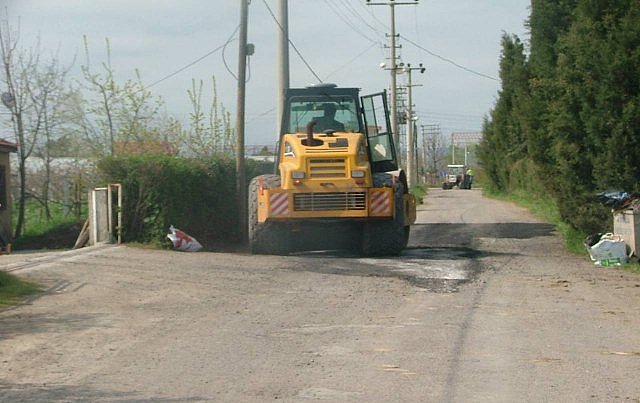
{"points": [[328, 121]]}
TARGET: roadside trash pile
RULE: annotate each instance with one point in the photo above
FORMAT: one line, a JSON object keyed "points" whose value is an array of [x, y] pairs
{"points": [[607, 249], [183, 242], [615, 249], [617, 199]]}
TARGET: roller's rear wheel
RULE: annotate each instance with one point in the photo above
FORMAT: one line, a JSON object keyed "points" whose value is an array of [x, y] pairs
{"points": [[267, 238]]}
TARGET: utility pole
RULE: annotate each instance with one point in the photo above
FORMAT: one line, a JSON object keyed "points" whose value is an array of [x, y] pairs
{"points": [[241, 182], [283, 57], [393, 68], [412, 176], [453, 150], [401, 105]]}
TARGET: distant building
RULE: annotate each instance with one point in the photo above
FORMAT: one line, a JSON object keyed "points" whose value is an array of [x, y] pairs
{"points": [[263, 158], [6, 229]]}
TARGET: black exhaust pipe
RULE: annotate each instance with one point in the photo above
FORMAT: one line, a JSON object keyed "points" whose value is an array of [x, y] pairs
{"points": [[310, 141]]}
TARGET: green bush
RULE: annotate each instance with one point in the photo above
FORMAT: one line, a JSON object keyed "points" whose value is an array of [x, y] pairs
{"points": [[197, 196], [419, 191]]}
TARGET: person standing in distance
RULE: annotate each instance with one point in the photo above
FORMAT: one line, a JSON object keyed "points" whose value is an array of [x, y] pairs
{"points": [[469, 177]]}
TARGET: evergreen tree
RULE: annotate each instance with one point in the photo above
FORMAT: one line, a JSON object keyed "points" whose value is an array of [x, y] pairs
{"points": [[503, 139], [570, 112]]}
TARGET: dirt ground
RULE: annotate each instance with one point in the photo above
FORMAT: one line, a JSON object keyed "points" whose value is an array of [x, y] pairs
{"points": [[484, 306]]}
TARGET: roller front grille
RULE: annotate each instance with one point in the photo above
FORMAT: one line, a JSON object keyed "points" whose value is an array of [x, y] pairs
{"points": [[329, 201], [327, 168]]}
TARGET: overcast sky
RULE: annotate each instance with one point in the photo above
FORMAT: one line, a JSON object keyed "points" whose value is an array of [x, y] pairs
{"points": [[342, 41]]}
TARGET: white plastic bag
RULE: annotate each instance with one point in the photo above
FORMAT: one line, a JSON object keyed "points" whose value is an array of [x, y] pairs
{"points": [[182, 241], [610, 250]]}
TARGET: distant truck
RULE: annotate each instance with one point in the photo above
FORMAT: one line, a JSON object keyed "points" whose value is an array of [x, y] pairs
{"points": [[337, 178], [456, 175]]}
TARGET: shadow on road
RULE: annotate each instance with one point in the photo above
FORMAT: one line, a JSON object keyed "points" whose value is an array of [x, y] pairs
{"points": [[48, 393], [462, 235], [21, 323]]}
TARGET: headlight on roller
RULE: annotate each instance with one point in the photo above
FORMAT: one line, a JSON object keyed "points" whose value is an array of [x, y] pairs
{"points": [[297, 175], [357, 173]]}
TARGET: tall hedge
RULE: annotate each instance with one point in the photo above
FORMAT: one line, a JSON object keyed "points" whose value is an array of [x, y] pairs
{"points": [[570, 109], [197, 196]]}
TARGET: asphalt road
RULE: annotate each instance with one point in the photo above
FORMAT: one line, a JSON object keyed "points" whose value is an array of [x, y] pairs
{"points": [[484, 306]]}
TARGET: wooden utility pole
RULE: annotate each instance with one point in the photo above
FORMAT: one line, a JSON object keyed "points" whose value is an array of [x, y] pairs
{"points": [[283, 57], [412, 176], [241, 181], [393, 68]]}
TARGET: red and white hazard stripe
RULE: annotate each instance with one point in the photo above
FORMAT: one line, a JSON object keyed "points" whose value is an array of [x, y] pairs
{"points": [[380, 202], [279, 204]]}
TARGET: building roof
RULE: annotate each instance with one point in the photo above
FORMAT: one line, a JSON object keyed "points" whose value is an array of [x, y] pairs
{"points": [[8, 147]]}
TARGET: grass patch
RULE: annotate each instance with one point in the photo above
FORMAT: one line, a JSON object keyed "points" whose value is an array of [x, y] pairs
{"points": [[58, 232], [57, 235], [154, 245], [632, 267], [419, 191], [13, 290]]}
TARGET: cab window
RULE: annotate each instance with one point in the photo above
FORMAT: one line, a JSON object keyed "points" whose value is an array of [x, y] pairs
{"points": [[337, 113]]}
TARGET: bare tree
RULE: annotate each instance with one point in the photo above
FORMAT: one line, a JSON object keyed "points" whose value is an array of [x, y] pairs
{"points": [[120, 113], [197, 141], [220, 124], [18, 67], [435, 148], [35, 96], [138, 113], [109, 94], [84, 134], [48, 91], [212, 132]]}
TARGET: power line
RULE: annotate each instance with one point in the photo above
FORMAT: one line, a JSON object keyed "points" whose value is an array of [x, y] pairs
{"points": [[263, 114], [451, 114], [343, 17], [291, 42], [448, 118], [448, 60], [427, 50], [415, 20], [224, 61], [370, 12], [194, 62], [350, 61], [464, 122], [358, 17]]}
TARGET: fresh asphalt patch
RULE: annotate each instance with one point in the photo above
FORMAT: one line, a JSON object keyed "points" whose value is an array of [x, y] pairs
{"points": [[440, 269]]}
